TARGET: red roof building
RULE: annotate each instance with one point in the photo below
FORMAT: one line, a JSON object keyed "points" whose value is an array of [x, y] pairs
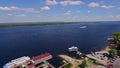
{"points": [[41, 58]]}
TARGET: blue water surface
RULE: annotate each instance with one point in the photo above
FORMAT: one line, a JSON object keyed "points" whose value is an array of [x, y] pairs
{"points": [[34, 40]]}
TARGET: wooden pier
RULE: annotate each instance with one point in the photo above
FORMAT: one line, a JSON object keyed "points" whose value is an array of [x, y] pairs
{"points": [[45, 63]]}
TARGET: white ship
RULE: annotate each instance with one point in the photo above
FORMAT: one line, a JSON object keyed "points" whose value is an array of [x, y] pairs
{"points": [[72, 48], [17, 62], [83, 27]]}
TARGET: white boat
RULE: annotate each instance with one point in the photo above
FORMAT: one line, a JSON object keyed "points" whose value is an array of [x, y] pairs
{"points": [[83, 27], [16, 62], [72, 48]]}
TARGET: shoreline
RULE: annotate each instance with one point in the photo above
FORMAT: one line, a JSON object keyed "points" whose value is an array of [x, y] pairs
{"points": [[106, 48], [72, 60], [35, 24], [75, 62]]}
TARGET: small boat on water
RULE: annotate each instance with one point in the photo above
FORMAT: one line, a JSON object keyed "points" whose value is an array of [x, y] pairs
{"points": [[83, 27], [72, 48]]}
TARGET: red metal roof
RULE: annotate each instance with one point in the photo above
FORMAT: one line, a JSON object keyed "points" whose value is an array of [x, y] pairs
{"points": [[41, 56]]}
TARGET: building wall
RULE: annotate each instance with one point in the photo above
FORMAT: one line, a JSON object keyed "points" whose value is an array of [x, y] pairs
{"points": [[43, 59]]}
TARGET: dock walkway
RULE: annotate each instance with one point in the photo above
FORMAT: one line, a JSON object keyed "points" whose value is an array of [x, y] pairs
{"points": [[98, 60]]}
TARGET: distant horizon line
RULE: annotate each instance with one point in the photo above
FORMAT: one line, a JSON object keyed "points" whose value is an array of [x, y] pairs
{"points": [[51, 22]]}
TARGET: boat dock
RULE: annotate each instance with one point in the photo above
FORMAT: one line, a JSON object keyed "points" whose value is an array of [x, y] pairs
{"points": [[64, 64], [45, 64], [99, 57], [27, 62], [79, 53], [75, 49]]}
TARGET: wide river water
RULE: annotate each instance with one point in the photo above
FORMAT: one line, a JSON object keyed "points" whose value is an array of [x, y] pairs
{"points": [[35, 40]]}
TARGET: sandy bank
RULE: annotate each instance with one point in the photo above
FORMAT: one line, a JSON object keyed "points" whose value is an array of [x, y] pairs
{"points": [[75, 62]]}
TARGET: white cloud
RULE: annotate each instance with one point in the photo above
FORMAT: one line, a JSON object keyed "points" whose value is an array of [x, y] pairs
{"points": [[118, 8], [101, 2], [93, 4], [114, 16], [14, 8], [70, 2], [45, 8], [68, 13], [117, 16], [16, 15], [32, 10], [78, 11], [51, 2], [22, 15], [107, 6], [95, 18], [9, 14], [88, 11]]}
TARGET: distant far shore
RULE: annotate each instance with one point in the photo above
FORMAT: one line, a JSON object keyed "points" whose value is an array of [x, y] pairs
{"points": [[47, 23], [34, 24]]}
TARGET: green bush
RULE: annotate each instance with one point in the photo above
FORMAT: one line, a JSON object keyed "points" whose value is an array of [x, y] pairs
{"points": [[113, 53], [84, 64]]}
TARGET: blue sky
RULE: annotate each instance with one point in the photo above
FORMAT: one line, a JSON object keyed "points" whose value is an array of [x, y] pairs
{"points": [[59, 10]]}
